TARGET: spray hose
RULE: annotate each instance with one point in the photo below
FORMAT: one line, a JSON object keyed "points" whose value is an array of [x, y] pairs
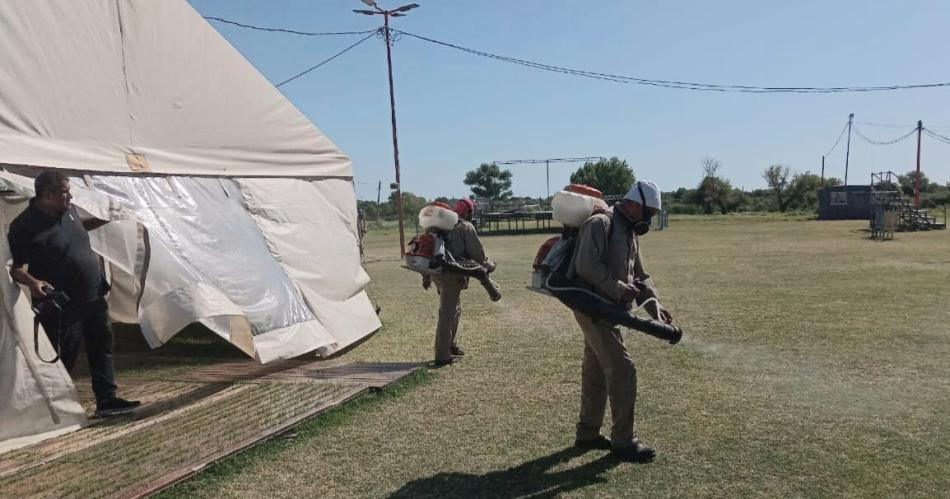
{"points": [[471, 268], [598, 307]]}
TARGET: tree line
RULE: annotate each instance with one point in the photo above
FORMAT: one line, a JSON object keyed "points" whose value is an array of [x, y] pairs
{"points": [[786, 190]]}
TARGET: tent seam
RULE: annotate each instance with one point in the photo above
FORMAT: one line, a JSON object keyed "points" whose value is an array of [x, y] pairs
{"points": [[125, 74]]}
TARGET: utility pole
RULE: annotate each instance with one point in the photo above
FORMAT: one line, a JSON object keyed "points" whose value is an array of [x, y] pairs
{"points": [[379, 190], [847, 152], [397, 12], [822, 171], [920, 129]]}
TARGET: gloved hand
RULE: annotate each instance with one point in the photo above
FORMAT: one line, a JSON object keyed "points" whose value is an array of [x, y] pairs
{"points": [[489, 265], [629, 294]]}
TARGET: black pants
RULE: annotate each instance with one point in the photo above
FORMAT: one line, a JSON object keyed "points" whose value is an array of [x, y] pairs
{"points": [[89, 322]]}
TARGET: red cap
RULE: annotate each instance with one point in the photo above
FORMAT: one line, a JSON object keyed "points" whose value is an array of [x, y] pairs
{"points": [[464, 205]]}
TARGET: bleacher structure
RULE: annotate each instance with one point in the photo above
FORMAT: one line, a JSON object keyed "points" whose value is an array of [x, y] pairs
{"points": [[891, 211], [500, 218]]}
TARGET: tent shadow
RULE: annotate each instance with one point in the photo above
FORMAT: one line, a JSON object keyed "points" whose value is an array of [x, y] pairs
{"points": [[530, 479]]}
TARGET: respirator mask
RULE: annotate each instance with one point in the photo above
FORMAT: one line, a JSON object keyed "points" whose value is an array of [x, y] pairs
{"points": [[643, 226]]}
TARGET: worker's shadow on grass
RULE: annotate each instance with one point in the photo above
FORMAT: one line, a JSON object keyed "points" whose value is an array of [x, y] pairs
{"points": [[529, 479]]}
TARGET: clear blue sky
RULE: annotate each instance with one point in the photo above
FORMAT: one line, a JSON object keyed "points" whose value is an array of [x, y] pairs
{"points": [[456, 110]]}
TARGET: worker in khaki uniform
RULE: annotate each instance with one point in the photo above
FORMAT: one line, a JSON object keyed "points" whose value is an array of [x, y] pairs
{"points": [[607, 260], [462, 242]]}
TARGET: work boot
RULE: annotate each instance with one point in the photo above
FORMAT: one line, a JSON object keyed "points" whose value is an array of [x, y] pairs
{"points": [[115, 406], [598, 442], [636, 453], [443, 363], [457, 351]]}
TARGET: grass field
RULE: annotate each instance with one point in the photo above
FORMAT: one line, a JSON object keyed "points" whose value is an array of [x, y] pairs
{"points": [[816, 364]]}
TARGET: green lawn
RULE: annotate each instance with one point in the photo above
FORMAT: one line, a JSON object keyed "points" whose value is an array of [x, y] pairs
{"points": [[816, 363]]}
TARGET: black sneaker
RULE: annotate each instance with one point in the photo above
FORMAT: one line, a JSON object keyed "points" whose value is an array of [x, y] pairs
{"points": [[636, 453], [458, 352], [598, 442], [115, 407]]}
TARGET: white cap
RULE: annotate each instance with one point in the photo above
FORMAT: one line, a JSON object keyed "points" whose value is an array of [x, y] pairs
{"points": [[650, 191]]}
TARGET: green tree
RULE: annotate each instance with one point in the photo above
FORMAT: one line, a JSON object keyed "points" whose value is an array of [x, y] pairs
{"points": [[908, 179], [490, 182], [411, 205], [612, 176], [803, 191], [714, 191], [778, 179]]}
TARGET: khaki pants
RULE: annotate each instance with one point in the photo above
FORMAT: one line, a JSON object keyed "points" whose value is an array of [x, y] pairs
{"points": [[607, 372], [450, 288]]}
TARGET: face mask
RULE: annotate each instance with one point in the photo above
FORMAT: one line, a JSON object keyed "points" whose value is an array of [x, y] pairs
{"points": [[642, 227]]}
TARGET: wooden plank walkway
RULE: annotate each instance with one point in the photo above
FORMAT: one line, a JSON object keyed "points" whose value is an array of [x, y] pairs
{"points": [[188, 421]]}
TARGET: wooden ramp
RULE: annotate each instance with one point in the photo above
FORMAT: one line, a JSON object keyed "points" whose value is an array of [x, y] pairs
{"points": [[189, 420]]}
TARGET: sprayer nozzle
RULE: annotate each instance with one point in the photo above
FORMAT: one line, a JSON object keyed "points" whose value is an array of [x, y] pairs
{"points": [[676, 336]]}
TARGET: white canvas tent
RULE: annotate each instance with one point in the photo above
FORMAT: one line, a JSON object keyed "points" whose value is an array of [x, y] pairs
{"points": [[226, 205]]}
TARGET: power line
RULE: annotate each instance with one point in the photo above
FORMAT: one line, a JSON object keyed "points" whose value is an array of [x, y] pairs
{"points": [[321, 63], [937, 136], [843, 129], [288, 31], [887, 142], [898, 125], [682, 85], [886, 125], [672, 83]]}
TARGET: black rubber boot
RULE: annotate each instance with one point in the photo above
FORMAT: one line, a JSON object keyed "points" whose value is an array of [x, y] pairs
{"points": [[636, 453]]}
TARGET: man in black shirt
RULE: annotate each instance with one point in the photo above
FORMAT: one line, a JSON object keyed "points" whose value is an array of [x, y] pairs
{"points": [[51, 251]]}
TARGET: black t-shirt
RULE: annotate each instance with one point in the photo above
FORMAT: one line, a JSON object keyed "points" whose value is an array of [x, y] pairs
{"points": [[57, 251]]}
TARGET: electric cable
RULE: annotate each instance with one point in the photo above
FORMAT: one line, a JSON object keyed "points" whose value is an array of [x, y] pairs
{"points": [[937, 136], [288, 31], [843, 129], [886, 125], [886, 142], [896, 125], [321, 63], [672, 83], [682, 85]]}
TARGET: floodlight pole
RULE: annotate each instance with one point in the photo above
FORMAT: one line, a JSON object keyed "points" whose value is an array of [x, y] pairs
{"points": [[398, 12], [547, 164]]}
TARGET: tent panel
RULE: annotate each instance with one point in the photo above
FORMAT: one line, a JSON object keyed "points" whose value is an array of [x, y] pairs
{"points": [[200, 225], [38, 399], [61, 74], [144, 86], [311, 227]]}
